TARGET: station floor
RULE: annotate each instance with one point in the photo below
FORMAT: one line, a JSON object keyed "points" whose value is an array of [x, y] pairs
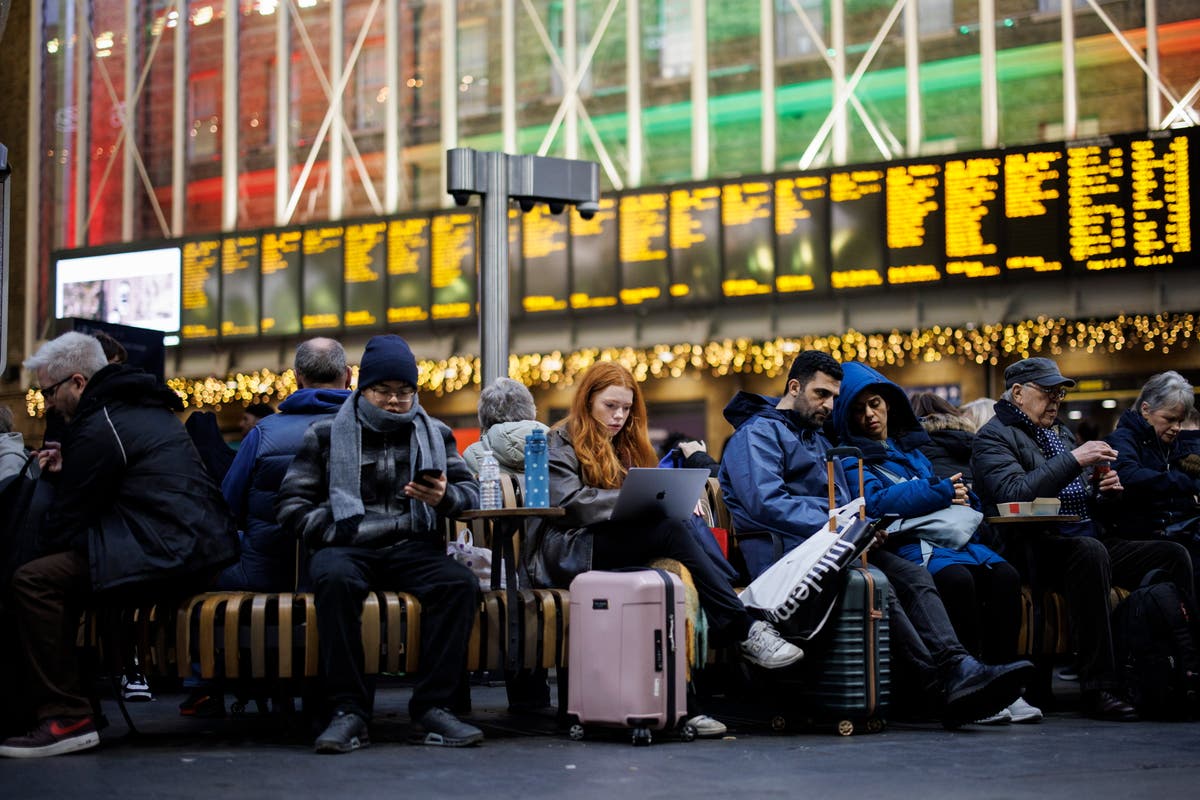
{"points": [[260, 757]]}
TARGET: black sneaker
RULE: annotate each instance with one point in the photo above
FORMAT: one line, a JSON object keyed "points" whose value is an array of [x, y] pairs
{"points": [[135, 688], [977, 690], [440, 728], [53, 737], [346, 732]]}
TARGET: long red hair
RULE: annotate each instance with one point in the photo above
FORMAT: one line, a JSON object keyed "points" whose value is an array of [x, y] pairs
{"points": [[605, 461]]}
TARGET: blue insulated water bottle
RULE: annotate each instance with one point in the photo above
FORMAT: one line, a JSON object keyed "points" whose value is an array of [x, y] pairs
{"points": [[537, 471]]}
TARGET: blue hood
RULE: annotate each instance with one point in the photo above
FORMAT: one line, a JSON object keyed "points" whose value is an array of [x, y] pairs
{"points": [[903, 427], [314, 401]]}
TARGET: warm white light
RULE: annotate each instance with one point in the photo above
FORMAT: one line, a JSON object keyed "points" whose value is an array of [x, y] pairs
{"points": [[104, 41], [1075, 414], [52, 46], [202, 16], [1108, 403]]}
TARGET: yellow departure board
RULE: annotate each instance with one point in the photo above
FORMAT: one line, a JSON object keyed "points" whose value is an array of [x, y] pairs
{"points": [[594, 267], [973, 215], [281, 258], [408, 270], [453, 265], [200, 289], [1034, 185], [1097, 225], [544, 257], [643, 220], [364, 265], [239, 285], [914, 223], [801, 233], [748, 251], [856, 222], [694, 236]]}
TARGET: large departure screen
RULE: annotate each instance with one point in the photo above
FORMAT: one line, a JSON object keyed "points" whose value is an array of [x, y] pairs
{"points": [[915, 223], [323, 251], [453, 265], [544, 255], [281, 258], [239, 286], [747, 220], [1034, 193], [408, 270], [858, 254], [594, 267], [695, 239], [645, 278], [974, 214], [201, 308], [365, 264], [801, 233]]}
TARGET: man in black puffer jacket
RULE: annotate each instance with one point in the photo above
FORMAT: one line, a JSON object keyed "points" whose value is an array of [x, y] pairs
{"points": [[366, 494], [135, 515]]}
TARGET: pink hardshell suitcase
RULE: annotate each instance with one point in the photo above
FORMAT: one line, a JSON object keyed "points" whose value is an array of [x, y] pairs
{"points": [[627, 653]]}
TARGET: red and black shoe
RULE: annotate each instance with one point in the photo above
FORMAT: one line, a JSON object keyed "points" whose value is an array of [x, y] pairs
{"points": [[203, 704], [53, 737]]}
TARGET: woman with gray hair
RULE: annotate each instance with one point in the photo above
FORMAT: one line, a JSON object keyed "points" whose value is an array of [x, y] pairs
{"points": [[507, 414], [1161, 480]]}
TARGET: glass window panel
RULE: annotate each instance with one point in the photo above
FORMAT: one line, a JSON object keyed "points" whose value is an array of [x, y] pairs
{"points": [[256, 110], [735, 106], [156, 110], [205, 42]]}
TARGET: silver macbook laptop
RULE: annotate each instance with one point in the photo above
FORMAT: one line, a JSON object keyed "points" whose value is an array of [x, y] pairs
{"points": [[652, 493]]}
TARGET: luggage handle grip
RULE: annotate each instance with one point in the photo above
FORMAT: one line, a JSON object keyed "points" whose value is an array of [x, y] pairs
{"points": [[830, 456]]}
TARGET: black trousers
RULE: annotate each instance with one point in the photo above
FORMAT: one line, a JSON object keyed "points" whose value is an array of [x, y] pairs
{"points": [[449, 596], [984, 604], [1084, 569], [625, 544], [920, 630], [48, 596]]}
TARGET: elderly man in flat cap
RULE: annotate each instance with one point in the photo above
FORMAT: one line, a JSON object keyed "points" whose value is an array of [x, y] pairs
{"points": [[1024, 452]]}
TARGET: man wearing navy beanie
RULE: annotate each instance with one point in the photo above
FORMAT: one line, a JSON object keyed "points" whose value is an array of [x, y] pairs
{"points": [[367, 494]]}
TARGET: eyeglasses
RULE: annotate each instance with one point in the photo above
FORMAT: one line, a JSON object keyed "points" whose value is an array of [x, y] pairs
{"points": [[49, 391], [1058, 393], [384, 392]]}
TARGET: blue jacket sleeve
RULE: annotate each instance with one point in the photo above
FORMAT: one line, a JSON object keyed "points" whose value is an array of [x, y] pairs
{"points": [[910, 498], [1141, 480], [236, 486], [756, 491]]}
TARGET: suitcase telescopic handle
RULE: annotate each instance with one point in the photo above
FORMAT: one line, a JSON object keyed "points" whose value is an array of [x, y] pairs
{"points": [[840, 452]]}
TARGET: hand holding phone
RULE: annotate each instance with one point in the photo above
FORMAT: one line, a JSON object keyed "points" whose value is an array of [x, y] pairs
{"points": [[427, 476]]}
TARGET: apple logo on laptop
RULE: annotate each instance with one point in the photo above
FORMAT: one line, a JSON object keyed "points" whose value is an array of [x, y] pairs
{"points": [[660, 495]]}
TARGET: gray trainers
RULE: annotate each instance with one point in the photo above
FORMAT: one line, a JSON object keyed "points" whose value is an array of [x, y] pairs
{"points": [[346, 732], [766, 648], [440, 728], [707, 727]]}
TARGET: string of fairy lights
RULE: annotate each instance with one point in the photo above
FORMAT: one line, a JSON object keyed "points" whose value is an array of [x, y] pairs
{"points": [[983, 344]]}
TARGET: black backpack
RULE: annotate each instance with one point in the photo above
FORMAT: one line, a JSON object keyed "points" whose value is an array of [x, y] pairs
{"points": [[1155, 635]]}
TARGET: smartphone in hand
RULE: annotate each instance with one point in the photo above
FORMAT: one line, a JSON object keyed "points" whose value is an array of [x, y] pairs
{"points": [[427, 476]]}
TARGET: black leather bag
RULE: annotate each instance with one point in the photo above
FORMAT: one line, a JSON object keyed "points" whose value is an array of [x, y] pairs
{"points": [[24, 500]]}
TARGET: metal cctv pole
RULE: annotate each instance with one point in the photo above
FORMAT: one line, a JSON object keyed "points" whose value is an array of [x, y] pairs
{"points": [[493, 271], [499, 177]]}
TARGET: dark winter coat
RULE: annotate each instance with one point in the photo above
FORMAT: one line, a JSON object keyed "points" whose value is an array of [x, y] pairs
{"points": [[951, 438], [1156, 492], [133, 492]]}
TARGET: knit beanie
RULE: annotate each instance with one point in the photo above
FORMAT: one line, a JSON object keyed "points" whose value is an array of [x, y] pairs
{"points": [[387, 358]]}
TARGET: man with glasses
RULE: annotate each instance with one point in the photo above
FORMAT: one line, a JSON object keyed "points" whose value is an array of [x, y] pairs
{"points": [[366, 493], [135, 516], [1024, 452]]}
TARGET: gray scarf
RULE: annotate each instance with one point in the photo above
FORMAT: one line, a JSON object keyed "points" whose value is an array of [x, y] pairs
{"points": [[425, 450]]}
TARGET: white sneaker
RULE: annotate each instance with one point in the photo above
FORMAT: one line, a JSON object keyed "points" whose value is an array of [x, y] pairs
{"points": [[766, 648], [1001, 717], [707, 727], [1023, 713]]}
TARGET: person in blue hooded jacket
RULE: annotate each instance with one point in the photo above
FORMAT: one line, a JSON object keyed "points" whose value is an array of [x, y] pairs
{"points": [[980, 590], [774, 480]]}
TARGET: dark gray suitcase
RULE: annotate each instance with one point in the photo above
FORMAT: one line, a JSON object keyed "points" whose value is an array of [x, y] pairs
{"points": [[845, 678]]}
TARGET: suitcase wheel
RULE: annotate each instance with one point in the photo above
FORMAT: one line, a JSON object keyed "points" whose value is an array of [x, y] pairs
{"points": [[576, 732], [687, 733], [779, 723], [642, 737], [845, 728], [237, 708], [875, 725]]}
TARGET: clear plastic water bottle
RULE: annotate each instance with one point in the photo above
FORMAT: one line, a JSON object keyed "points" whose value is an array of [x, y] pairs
{"points": [[537, 471], [491, 496]]}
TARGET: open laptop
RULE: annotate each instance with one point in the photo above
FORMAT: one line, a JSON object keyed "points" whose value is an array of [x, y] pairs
{"points": [[655, 493]]}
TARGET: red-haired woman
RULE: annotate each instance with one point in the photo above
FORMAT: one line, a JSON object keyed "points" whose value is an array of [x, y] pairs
{"points": [[591, 451]]}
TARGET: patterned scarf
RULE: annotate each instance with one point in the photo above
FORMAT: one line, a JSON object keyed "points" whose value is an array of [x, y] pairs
{"points": [[1074, 495], [425, 449]]}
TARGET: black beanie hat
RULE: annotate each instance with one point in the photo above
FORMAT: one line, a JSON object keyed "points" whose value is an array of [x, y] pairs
{"points": [[387, 358]]}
